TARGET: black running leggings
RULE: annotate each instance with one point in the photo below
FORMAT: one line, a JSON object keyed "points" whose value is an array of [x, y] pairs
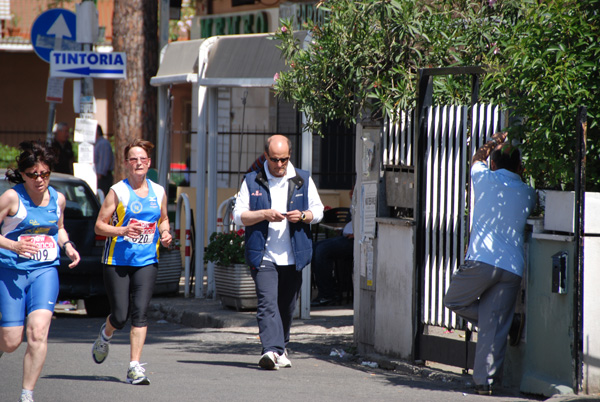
{"points": [[129, 291]]}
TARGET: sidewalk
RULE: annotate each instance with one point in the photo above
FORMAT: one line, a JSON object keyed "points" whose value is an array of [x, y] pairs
{"points": [[330, 320], [207, 313]]}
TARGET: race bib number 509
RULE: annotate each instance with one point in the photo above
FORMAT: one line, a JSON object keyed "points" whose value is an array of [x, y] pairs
{"points": [[47, 247], [147, 236]]}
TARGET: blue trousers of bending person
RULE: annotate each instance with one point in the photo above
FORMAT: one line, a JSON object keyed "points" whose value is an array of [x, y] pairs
{"points": [[485, 296], [325, 254]]}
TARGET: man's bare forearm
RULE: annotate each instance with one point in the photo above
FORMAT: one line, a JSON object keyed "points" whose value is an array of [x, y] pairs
{"points": [[486, 149]]}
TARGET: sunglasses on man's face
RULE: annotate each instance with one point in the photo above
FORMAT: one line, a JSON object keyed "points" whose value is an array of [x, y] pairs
{"points": [[35, 175], [282, 160]]}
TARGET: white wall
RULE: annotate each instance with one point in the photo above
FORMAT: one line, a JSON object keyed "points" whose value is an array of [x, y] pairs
{"points": [[591, 316]]}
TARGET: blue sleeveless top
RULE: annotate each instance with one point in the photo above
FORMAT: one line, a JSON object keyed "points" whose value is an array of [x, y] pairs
{"points": [[141, 251], [39, 223]]}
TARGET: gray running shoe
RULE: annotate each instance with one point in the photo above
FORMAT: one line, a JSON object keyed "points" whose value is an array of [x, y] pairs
{"points": [[136, 376], [100, 348]]}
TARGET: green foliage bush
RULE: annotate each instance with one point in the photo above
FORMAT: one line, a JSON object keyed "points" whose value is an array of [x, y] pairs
{"points": [[542, 58], [545, 69], [8, 156]]}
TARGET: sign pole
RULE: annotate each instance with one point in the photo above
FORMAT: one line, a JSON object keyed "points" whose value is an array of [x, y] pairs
{"points": [[50, 126], [87, 34], [59, 29]]}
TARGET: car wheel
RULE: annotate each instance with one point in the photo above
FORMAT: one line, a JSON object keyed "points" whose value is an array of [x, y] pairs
{"points": [[97, 306]]}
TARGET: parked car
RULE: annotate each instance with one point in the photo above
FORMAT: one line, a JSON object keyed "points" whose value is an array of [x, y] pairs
{"points": [[85, 281]]}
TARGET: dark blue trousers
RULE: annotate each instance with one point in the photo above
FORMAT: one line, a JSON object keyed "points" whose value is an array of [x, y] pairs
{"points": [[326, 252], [277, 288]]}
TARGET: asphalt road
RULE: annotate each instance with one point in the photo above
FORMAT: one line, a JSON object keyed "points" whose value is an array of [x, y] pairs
{"points": [[189, 364]]}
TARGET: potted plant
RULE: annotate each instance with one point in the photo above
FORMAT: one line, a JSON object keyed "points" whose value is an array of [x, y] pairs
{"points": [[233, 281], [14, 29]]}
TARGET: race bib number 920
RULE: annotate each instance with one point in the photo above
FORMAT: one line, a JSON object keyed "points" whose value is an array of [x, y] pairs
{"points": [[147, 236]]}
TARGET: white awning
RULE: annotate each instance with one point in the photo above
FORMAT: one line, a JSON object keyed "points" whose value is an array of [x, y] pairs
{"points": [[179, 63], [244, 61], [233, 61]]}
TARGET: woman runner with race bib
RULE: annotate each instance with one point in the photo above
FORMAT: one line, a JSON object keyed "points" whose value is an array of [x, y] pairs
{"points": [[134, 220], [32, 236]]}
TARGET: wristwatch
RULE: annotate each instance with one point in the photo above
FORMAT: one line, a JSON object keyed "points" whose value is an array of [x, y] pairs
{"points": [[303, 217]]}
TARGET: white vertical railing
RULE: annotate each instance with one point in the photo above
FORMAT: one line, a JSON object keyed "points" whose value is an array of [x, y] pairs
{"points": [[447, 161]]}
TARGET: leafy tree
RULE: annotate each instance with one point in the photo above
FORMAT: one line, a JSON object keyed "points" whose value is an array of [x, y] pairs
{"points": [[545, 69], [367, 54], [541, 57]]}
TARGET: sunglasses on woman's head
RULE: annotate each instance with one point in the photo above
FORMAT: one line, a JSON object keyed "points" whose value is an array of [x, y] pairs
{"points": [[35, 175]]}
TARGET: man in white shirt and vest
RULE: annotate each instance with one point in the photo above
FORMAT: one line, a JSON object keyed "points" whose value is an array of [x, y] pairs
{"points": [[277, 204]]}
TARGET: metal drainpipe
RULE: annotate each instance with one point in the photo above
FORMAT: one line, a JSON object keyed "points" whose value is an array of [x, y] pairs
{"points": [[581, 134]]}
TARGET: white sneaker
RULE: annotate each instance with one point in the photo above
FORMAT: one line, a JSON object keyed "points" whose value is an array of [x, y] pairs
{"points": [[26, 398], [136, 376], [283, 361], [268, 361]]}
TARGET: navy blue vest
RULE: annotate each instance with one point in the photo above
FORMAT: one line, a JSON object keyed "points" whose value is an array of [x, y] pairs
{"points": [[256, 235]]}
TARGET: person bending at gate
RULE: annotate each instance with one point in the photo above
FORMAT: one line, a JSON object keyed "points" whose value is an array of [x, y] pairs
{"points": [[276, 204], [484, 289]]}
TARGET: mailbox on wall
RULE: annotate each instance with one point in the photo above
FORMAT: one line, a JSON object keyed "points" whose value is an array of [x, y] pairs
{"points": [[400, 186], [559, 272]]}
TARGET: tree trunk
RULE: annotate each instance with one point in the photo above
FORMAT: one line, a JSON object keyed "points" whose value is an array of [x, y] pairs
{"points": [[135, 32]]}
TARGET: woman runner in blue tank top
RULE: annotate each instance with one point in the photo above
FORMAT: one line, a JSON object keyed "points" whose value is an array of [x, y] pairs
{"points": [[32, 235], [134, 220]]}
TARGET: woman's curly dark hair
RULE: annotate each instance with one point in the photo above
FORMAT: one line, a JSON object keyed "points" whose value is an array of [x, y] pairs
{"points": [[32, 152]]}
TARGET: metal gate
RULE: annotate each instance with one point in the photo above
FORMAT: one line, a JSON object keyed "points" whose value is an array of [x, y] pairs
{"points": [[441, 141]]}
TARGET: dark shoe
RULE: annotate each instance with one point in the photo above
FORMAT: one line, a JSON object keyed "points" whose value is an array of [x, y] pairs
{"points": [[485, 389], [516, 329], [320, 302]]}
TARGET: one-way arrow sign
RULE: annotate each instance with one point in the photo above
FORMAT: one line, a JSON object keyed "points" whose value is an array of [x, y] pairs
{"points": [[88, 64], [54, 29]]}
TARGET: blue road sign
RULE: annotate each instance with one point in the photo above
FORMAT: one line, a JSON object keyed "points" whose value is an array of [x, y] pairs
{"points": [[88, 64], [54, 29]]}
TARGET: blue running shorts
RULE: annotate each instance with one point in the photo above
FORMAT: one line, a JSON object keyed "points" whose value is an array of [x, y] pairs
{"points": [[24, 291]]}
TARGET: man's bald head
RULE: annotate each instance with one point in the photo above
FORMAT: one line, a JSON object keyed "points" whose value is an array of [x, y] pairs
{"points": [[278, 149]]}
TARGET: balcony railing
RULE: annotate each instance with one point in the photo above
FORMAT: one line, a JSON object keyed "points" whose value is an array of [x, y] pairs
{"points": [[17, 30]]}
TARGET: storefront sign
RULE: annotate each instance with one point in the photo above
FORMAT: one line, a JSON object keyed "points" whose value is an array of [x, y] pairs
{"points": [[234, 24]]}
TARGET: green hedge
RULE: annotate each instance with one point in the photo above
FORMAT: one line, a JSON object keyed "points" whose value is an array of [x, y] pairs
{"points": [[8, 156]]}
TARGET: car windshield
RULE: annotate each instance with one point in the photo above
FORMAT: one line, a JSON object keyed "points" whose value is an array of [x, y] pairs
{"points": [[80, 203]]}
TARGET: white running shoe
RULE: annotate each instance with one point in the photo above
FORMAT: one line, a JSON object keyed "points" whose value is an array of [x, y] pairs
{"points": [[136, 376], [100, 347], [283, 361], [26, 398], [268, 361]]}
